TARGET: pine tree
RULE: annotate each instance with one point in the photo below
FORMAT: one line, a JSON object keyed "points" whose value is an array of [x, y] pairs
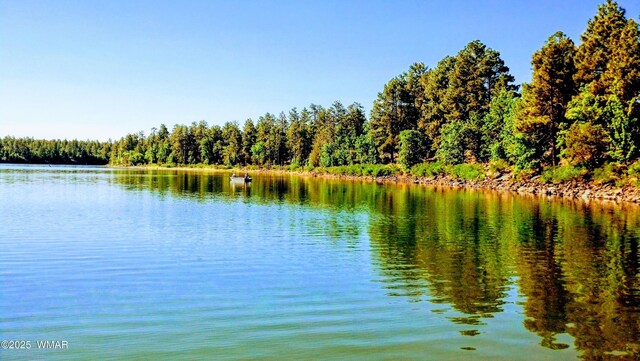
{"points": [[479, 74], [460, 90], [542, 112], [249, 135], [608, 70], [435, 83], [609, 50], [232, 143], [396, 109]]}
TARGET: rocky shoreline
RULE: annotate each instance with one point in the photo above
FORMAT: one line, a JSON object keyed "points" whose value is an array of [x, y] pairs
{"points": [[572, 190], [569, 190]]}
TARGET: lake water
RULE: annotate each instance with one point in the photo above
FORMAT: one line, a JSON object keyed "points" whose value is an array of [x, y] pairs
{"points": [[178, 265]]}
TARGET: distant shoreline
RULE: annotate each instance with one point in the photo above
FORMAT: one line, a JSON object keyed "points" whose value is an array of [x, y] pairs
{"points": [[569, 190]]}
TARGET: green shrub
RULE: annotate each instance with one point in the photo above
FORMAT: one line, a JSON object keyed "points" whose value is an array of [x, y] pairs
{"points": [[431, 169], [452, 149], [295, 166], [584, 144], [375, 170], [499, 166], [467, 171], [385, 170], [522, 174], [633, 174], [606, 174], [413, 147], [634, 169], [562, 174]]}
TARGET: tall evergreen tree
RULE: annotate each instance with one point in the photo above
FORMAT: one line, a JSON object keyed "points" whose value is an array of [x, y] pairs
{"points": [[609, 54], [164, 147], [608, 68], [249, 135], [299, 136], [542, 114], [460, 90], [232, 137], [397, 108], [262, 151], [279, 138], [478, 74], [434, 83]]}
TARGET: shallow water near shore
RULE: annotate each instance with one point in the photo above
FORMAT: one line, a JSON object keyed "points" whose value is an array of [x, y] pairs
{"points": [[180, 265]]}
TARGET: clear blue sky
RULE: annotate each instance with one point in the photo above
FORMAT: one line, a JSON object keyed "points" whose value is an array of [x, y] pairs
{"points": [[101, 69]]}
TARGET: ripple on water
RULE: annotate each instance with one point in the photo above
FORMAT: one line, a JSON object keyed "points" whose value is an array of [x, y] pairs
{"points": [[171, 265]]}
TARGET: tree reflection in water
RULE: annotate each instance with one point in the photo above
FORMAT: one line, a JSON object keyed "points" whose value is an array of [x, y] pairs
{"points": [[575, 265]]}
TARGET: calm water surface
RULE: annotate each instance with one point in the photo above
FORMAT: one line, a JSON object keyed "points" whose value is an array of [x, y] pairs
{"points": [[174, 265]]}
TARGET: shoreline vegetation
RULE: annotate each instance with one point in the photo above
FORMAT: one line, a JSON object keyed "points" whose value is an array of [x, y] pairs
{"points": [[573, 131], [477, 179]]}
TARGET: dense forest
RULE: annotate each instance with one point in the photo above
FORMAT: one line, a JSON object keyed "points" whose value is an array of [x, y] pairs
{"points": [[579, 114], [29, 150]]}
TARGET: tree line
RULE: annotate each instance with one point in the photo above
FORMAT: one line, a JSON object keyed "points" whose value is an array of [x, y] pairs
{"points": [[29, 150], [315, 136], [581, 108]]}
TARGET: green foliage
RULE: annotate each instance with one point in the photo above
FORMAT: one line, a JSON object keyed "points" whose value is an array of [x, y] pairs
{"points": [[232, 143], [29, 150], [608, 69], [452, 148], [435, 83], [345, 142], [584, 144], [467, 171], [294, 166], [327, 153], [499, 166], [607, 174], [299, 135], [480, 71], [413, 148], [430, 169], [634, 169], [460, 89], [396, 109], [541, 114], [623, 130], [259, 153], [374, 170], [562, 174], [497, 129], [249, 135], [463, 171], [522, 154], [586, 107], [608, 60], [365, 149]]}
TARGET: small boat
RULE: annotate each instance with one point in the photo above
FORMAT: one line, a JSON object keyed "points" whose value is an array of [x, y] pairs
{"points": [[245, 179]]}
